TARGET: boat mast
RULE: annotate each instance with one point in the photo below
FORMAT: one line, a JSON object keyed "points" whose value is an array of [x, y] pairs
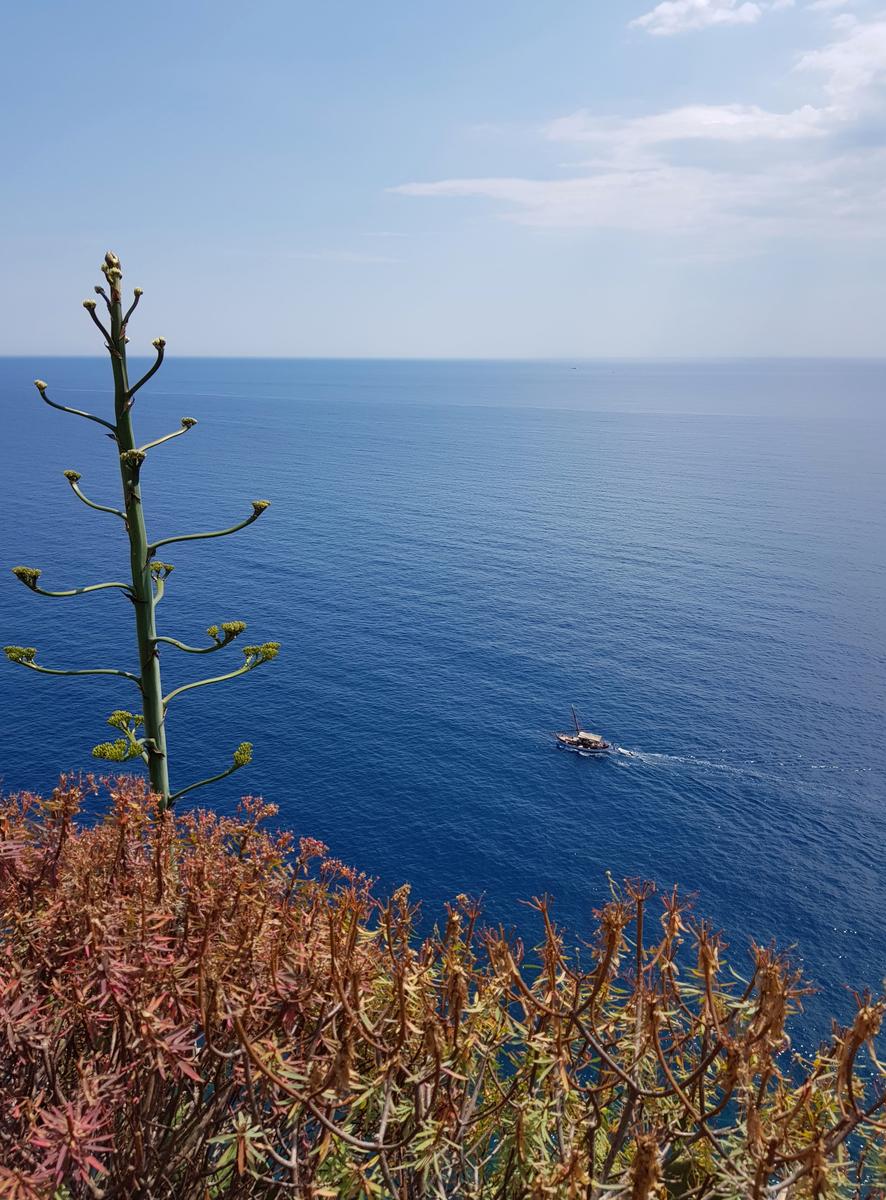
{"points": [[575, 719]]}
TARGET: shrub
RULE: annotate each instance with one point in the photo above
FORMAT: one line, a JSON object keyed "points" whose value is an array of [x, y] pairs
{"points": [[191, 1006]]}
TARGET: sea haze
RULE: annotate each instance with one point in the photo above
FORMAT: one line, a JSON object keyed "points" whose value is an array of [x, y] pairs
{"points": [[692, 554]]}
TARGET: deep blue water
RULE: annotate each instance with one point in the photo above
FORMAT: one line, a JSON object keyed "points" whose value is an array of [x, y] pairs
{"points": [[694, 555]]}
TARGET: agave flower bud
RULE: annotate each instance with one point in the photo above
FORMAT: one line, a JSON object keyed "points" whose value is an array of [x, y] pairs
{"points": [[263, 653], [89, 304], [213, 632], [259, 506], [158, 343], [188, 422], [118, 751], [27, 575], [111, 268], [243, 754], [232, 629], [41, 385], [133, 458], [137, 292], [72, 476], [20, 654], [120, 719], [161, 568]]}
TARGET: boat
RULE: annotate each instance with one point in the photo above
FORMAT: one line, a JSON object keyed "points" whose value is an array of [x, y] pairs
{"points": [[582, 741]]}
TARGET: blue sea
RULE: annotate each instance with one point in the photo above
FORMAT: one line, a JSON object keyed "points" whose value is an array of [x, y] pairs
{"points": [[693, 554]]}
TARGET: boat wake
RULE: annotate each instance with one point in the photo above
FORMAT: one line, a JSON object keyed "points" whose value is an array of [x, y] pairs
{"points": [[750, 767]]}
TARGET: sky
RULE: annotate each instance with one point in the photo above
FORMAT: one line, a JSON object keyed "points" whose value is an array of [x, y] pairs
{"points": [[480, 178]]}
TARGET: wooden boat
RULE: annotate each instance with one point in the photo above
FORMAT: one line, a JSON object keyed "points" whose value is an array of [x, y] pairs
{"points": [[582, 741]]}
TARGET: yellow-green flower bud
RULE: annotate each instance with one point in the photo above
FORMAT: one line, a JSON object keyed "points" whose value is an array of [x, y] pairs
{"points": [[20, 654], [232, 629], [27, 575], [133, 458], [263, 653], [118, 751], [41, 385], [188, 422], [259, 506], [72, 476], [158, 343], [243, 754]]}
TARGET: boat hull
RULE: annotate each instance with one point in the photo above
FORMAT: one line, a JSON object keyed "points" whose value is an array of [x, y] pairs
{"points": [[565, 742]]}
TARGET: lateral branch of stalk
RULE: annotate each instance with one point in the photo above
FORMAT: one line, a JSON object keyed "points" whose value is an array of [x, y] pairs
{"points": [[242, 757], [258, 507], [221, 636], [29, 576], [159, 345], [255, 656], [73, 478], [76, 412], [24, 656]]}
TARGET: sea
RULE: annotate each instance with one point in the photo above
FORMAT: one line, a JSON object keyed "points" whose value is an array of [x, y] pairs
{"points": [[693, 554]]}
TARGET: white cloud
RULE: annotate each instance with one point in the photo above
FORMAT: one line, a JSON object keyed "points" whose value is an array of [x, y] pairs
{"points": [[854, 62], [710, 122], [732, 168], [676, 199], [684, 16]]}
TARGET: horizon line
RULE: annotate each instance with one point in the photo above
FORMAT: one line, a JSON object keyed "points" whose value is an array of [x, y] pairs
{"points": [[484, 358]]}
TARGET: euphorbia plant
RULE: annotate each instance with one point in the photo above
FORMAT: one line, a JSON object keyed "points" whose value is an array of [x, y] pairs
{"points": [[142, 734]]}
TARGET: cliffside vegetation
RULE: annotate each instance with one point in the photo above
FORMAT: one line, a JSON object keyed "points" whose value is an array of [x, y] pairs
{"points": [[192, 1006]]}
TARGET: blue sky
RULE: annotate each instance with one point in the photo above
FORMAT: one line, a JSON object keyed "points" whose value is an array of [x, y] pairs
{"points": [[493, 178]]}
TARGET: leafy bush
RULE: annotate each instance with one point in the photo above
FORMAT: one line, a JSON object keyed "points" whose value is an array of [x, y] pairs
{"points": [[190, 1006]]}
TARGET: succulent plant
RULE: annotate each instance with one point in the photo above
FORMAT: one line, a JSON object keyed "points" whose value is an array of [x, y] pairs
{"points": [[144, 734]]}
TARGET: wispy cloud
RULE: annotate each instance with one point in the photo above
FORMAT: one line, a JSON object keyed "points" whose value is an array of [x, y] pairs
{"points": [[692, 122], [684, 16], [734, 168], [853, 63], [675, 199]]}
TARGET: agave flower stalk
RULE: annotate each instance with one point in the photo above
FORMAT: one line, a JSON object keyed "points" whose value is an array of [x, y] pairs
{"points": [[144, 733]]}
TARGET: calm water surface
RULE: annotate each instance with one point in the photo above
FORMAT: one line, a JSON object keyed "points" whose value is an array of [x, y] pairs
{"points": [[694, 555]]}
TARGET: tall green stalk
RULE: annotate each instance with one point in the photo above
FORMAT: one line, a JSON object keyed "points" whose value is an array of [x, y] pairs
{"points": [[144, 733]]}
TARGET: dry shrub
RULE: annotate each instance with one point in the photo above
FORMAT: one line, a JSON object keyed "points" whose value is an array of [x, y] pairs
{"points": [[190, 1006]]}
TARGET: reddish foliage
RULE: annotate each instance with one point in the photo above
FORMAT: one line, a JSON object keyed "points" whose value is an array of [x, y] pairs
{"points": [[187, 1009]]}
